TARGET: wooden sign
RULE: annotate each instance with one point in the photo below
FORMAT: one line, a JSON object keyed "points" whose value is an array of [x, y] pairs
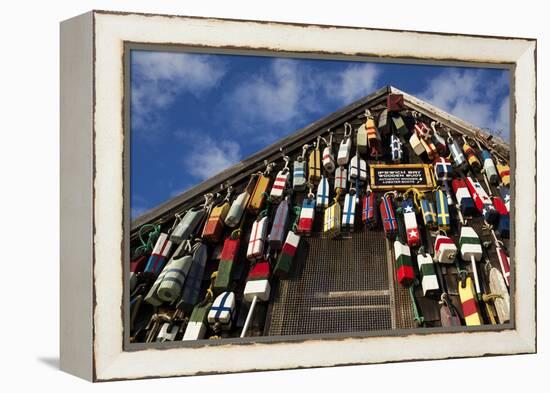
{"points": [[401, 176]]}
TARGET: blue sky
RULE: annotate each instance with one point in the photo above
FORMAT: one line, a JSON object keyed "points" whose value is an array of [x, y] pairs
{"points": [[193, 115]]}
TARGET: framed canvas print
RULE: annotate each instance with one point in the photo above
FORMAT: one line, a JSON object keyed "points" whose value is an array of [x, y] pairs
{"points": [[246, 195]]}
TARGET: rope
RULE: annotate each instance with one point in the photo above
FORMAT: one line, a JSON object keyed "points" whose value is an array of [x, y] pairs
{"points": [[147, 245]]}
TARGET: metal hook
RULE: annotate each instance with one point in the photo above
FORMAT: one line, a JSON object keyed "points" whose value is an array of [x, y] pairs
{"points": [[347, 130]]}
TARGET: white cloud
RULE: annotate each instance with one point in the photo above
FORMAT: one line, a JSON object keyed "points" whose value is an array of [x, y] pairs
{"points": [[354, 82], [470, 95], [288, 92], [208, 156], [161, 76]]}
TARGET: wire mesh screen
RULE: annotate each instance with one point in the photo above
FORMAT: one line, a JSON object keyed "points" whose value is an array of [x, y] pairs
{"points": [[340, 286]]}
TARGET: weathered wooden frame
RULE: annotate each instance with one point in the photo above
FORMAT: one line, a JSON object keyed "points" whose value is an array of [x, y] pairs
{"points": [[94, 230]]}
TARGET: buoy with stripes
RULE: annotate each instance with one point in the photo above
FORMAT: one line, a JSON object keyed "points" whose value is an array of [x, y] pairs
{"points": [[158, 257], [196, 327], [286, 256], [422, 129], [468, 302], [443, 216], [369, 215], [504, 173], [348, 215], [257, 288], [428, 278], [358, 168], [280, 184], [387, 212], [299, 171], [328, 157], [459, 161], [396, 148], [470, 250], [333, 214], [489, 167], [445, 249], [373, 137], [214, 225], [314, 167], [257, 239], [403, 259], [278, 228], [482, 201], [222, 311], [345, 146], [307, 215], [340, 178], [228, 260], [322, 194], [465, 201], [471, 156]]}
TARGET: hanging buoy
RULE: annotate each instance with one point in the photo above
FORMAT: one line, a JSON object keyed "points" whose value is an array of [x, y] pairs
{"points": [[215, 223], [502, 300], [482, 201], [362, 143], [489, 168], [222, 310], [257, 288], [416, 145], [373, 137], [307, 214], [188, 224], [445, 249], [328, 157], [383, 122], [504, 173], [281, 181], [443, 169], [465, 201], [388, 216], [322, 194], [396, 149], [369, 215], [239, 204], [157, 260], [348, 217], [228, 259], [395, 102], [503, 227], [299, 171], [505, 195], [469, 304], [196, 327], [470, 250], [193, 282], [358, 168], [428, 213], [443, 217], [422, 130], [136, 266], [345, 146], [400, 126], [278, 229], [403, 263], [429, 148], [471, 156], [428, 278], [459, 160], [284, 261], [258, 195], [255, 248], [314, 168], [439, 141], [340, 178], [411, 225], [331, 219]]}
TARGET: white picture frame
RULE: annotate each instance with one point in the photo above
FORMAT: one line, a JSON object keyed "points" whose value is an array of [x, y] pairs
{"points": [[94, 225]]}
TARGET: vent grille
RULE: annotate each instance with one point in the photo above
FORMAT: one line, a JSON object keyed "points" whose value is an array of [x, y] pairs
{"points": [[341, 286]]}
